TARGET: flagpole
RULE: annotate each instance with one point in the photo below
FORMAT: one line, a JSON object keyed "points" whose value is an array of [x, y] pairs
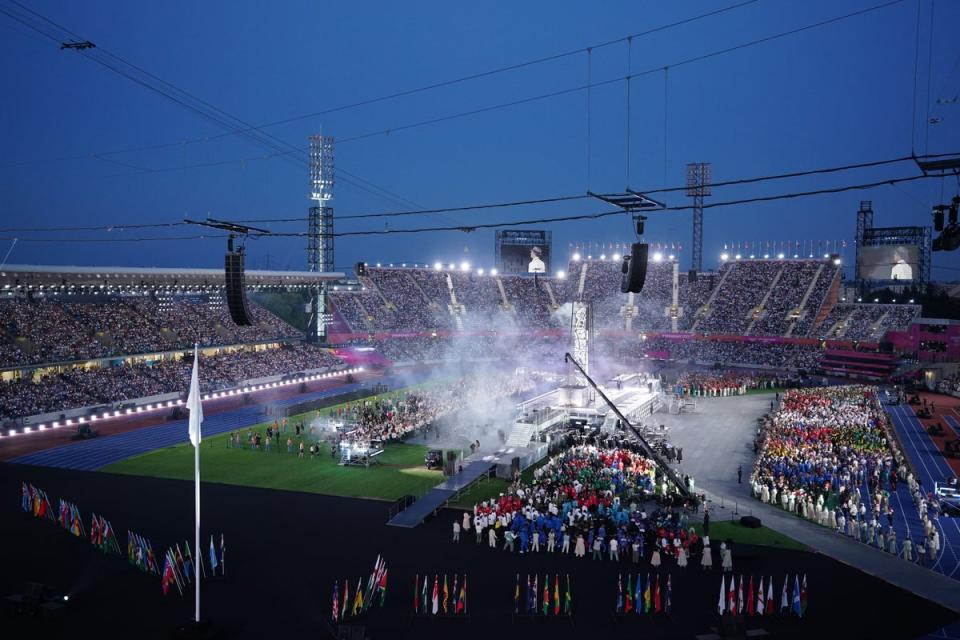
{"points": [[196, 493], [194, 404]]}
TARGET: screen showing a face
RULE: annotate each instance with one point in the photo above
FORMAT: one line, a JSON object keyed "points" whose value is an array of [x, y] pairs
{"points": [[891, 262], [525, 259]]}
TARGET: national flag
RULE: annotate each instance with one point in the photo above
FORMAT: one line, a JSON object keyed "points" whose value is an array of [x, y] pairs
{"points": [[213, 558], [26, 499], [516, 596], [740, 597], [536, 586], [358, 598], [784, 603], [94, 530], [46, 510], [796, 596], [416, 593], [76, 525], [546, 594], [769, 608], [628, 601], [462, 600], [456, 592], [803, 596], [188, 566], [223, 557], [638, 595], [656, 596], [619, 593], [194, 405], [181, 565], [568, 599], [346, 599], [335, 611], [668, 606], [750, 599], [423, 594], [446, 593], [721, 603], [383, 585], [647, 596], [760, 594], [167, 576], [556, 594], [436, 594], [732, 595]]}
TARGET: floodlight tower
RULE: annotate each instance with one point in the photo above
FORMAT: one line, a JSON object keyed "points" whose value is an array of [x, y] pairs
{"points": [[698, 186], [320, 232]]}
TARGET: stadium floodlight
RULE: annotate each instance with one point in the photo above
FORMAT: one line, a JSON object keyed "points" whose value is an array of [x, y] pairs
{"points": [[378, 264], [751, 256], [437, 266], [876, 299], [766, 256], [464, 266], [589, 257], [795, 256], [780, 256], [911, 300], [493, 272], [657, 257], [603, 256], [672, 257], [724, 257], [616, 257], [479, 272], [561, 274], [576, 258], [826, 255], [738, 256], [836, 261], [451, 266]]}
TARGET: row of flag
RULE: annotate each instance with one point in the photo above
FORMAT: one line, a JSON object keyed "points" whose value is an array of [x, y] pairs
{"points": [[439, 602], [102, 536], [69, 518], [179, 568], [374, 594], [550, 601], [757, 603], [644, 596], [140, 553], [35, 502]]}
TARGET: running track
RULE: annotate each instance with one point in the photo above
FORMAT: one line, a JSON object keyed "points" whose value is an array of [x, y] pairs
{"points": [[928, 463], [89, 455]]}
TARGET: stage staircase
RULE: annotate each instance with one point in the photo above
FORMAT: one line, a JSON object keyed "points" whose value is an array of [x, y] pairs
{"points": [[583, 280], [763, 303], [505, 301], [553, 299], [805, 299], [705, 309], [520, 435]]}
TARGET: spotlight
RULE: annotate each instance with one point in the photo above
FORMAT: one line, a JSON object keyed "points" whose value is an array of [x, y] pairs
{"points": [[479, 272], [766, 256], [836, 261], [738, 256], [561, 274], [576, 258], [616, 257], [724, 256], [657, 257], [603, 256], [672, 257], [780, 256], [437, 266], [464, 266], [493, 272]]}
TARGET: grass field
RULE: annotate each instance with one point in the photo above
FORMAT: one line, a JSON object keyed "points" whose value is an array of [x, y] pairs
{"points": [[399, 473], [762, 536]]}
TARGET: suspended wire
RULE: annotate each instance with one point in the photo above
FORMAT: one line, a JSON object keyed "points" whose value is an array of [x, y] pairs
{"points": [[916, 74], [926, 135], [627, 80]]}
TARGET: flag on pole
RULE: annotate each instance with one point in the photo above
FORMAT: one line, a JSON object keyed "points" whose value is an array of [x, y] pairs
{"points": [[784, 603], [732, 595], [740, 597], [194, 406], [223, 557], [346, 599], [770, 605], [657, 603], [803, 596], [568, 599], [647, 596], [750, 598], [462, 600], [721, 603], [335, 612], [536, 586], [556, 594], [796, 595], [188, 561], [628, 600], [383, 585], [546, 594], [214, 562], [423, 594], [358, 598], [446, 593], [436, 594], [638, 595], [760, 594], [416, 593], [456, 592]]}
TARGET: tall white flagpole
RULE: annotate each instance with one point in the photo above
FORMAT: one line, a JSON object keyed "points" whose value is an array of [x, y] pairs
{"points": [[196, 417]]}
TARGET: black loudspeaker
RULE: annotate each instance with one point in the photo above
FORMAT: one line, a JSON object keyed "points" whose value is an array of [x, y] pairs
{"points": [[751, 522], [634, 268], [692, 275], [236, 291], [360, 268]]}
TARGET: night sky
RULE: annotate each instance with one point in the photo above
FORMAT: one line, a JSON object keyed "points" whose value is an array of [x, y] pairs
{"points": [[837, 94]]}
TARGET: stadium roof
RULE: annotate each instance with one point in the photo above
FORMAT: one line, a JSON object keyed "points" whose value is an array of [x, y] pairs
{"points": [[50, 276]]}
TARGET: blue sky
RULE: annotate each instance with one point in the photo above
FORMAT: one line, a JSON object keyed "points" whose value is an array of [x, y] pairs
{"points": [[842, 93]]}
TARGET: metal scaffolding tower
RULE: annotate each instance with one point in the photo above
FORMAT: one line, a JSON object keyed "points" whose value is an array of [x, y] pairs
{"points": [[698, 186], [320, 232]]}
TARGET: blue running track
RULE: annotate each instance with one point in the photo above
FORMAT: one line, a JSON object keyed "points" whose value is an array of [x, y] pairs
{"points": [[93, 454], [930, 466]]}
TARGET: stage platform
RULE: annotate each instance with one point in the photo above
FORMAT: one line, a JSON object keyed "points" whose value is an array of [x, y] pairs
{"points": [[437, 497]]}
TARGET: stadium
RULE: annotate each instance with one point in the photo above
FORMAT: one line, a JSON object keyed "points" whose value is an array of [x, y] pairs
{"points": [[626, 434]]}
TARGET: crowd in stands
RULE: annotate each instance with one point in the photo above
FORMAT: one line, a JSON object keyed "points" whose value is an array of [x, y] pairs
{"points": [[592, 498], [54, 330], [792, 285], [785, 356], [827, 456], [868, 322], [82, 387], [729, 383], [818, 297], [743, 287], [538, 351]]}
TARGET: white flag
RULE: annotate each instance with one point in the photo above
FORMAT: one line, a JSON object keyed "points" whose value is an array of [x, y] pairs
{"points": [[193, 401], [723, 595]]}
